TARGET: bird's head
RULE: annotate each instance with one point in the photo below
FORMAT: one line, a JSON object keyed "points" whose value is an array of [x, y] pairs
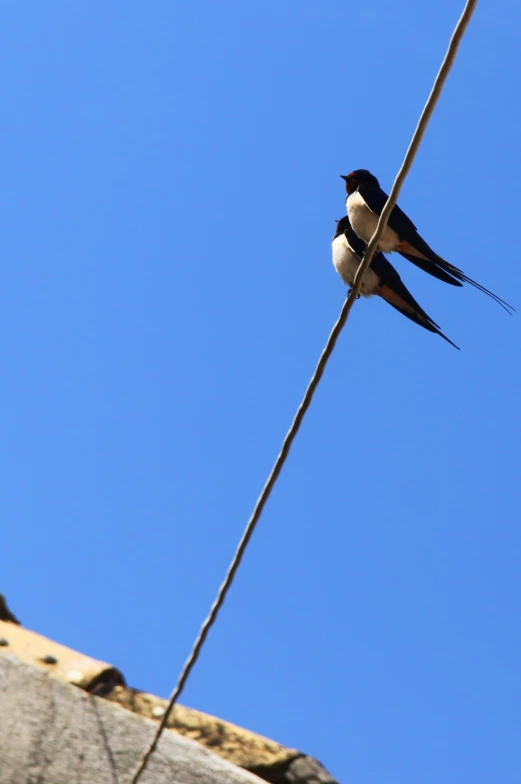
{"points": [[342, 225], [359, 177]]}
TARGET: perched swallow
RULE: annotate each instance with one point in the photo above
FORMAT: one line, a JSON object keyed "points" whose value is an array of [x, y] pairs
{"points": [[364, 203], [381, 278]]}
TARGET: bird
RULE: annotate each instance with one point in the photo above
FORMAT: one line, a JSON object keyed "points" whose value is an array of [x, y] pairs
{"points": [[381, 278], [364, 203]]}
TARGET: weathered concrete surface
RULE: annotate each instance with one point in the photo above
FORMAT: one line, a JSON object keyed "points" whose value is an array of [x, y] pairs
{"points": [[264, 757], [245, 749], [54, 733]]}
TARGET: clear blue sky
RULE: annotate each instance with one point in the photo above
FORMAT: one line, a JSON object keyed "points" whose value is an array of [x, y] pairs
{"points": [[170, 180]]}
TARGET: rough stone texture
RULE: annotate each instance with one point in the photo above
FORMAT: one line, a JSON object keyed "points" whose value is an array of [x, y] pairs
{"points": [[54, 733], [242, 748], [264, 757], [261, 756]]}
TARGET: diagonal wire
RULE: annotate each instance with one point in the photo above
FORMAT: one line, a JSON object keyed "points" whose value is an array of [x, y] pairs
{"points": [[319, 371], [416, 140]]}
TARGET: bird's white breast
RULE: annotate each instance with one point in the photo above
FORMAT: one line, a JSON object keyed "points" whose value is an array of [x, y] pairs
{"points": [[364, 223], [346, 264]]}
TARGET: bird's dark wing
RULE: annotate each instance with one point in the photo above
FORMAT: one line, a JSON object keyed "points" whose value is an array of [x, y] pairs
{"points": [[431, 269], [454, 276], [414, 248], [344, 227], [414, 244], [357, 245], [375, 199], [425, 324], [389, 277], [396, 293]]}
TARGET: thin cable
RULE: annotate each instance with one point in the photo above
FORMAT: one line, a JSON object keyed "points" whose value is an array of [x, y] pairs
{"points": [[416, 140], [315, 380], [248, 531]]}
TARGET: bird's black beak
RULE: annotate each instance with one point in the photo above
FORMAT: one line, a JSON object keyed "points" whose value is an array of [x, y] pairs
{"points": [[344, 177]]}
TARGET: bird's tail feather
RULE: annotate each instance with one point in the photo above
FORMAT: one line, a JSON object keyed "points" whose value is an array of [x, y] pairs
{"points": [[451, 274]]}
